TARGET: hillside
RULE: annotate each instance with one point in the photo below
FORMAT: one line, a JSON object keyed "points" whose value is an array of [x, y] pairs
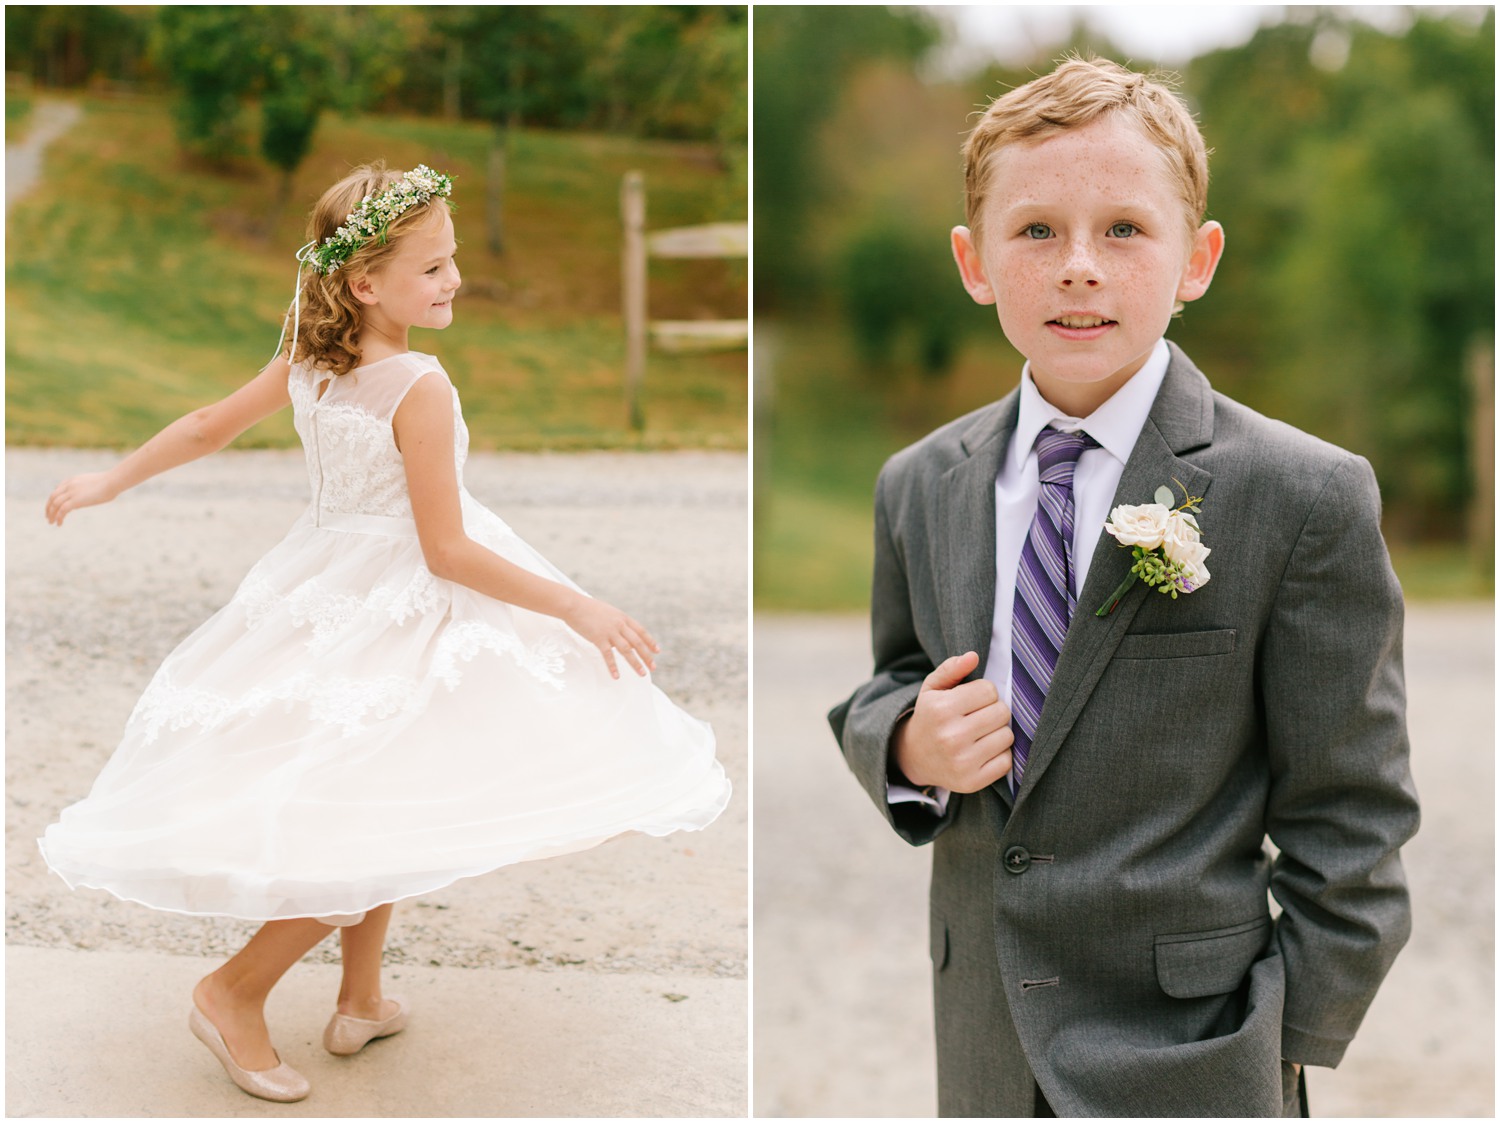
{"points": [[139, 285]]}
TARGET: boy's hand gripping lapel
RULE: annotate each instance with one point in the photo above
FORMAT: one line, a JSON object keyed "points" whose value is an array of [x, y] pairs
{"points": [[958, 736]]}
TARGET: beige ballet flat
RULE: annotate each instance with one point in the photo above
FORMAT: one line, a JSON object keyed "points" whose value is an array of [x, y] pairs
{"points": [[284, 1084], [346, 1035]]}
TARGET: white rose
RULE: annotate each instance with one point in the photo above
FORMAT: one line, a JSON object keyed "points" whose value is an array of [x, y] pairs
{"points": [[1181, 531], [1182, 543], [1144, 524], [1193, 560]]}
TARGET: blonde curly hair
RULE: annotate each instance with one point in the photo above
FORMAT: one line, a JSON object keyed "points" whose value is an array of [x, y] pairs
{"points": [[330, 317]]}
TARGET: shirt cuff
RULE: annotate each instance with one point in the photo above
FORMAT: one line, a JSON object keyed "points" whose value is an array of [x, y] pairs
{"points": [[933, 797]]}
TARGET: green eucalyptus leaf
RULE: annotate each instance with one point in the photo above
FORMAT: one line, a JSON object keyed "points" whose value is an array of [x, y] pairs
{"points": [[1164, 495]]}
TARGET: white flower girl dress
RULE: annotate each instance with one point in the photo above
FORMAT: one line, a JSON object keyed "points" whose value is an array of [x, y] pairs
{"points": [[351, 730]]}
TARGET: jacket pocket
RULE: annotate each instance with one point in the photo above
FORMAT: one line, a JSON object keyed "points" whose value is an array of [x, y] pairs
{"points": [[1175, 645], [938, 939], [1196, 964]]}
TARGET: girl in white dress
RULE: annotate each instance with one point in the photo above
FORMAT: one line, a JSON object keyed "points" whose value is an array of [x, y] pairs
{"points": [[400, 694]]}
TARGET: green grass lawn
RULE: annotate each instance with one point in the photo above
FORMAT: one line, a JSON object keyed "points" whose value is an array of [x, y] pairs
{"points": [[17, 111], [139, 285], [830, 431], [1442, 571]]}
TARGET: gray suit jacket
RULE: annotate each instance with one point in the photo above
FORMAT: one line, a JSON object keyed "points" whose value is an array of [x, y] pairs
{"points": [[1109, 933]]}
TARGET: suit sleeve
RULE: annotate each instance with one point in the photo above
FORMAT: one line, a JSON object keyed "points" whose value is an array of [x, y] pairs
{"points": [[865, 723], [1341, 799]]}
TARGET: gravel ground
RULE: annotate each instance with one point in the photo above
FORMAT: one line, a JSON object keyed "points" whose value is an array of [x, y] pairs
{"points": [[93, 607], [843, 1007]]}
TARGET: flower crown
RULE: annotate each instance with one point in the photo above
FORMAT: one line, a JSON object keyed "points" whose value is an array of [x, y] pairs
{"points": [[373, 216]]}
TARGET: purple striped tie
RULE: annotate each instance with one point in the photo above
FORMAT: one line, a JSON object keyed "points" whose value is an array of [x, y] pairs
{"points": [[1044, 589]]}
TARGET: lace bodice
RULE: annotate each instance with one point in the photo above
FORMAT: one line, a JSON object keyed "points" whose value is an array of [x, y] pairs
{"points": [[353, 464]]}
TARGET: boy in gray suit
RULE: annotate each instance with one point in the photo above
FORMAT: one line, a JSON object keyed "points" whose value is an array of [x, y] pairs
{"points": [[1100, 730]]}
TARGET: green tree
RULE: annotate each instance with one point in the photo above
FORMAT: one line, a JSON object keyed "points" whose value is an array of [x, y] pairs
{"points": [[803, 54], [675, 72], [524, 64], [898, 288], [520, 65], [299, 47], [68, 44], [298, 61], [668, 71], [213, 57], [1358, 196]]}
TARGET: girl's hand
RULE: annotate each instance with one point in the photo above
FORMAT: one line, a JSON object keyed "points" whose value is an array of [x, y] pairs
{"points": [[610, 630], [88, 490]]}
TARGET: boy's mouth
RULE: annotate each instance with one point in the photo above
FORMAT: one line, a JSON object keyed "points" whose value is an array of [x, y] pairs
{"points": [[1079, 327]]}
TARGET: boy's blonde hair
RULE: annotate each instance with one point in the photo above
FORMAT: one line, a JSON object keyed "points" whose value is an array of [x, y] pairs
{"points": [[1077, 93], [331, 317]]}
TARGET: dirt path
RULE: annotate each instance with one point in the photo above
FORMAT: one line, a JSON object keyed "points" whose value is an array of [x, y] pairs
{"points": [[843, 1014], [23, 161]]}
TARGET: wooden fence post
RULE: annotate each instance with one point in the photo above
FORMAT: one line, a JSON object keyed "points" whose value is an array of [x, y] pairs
{"points": [[633, 213]]}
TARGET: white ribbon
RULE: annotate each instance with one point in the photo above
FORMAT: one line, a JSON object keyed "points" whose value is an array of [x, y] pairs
{"points": [[304, 255]]}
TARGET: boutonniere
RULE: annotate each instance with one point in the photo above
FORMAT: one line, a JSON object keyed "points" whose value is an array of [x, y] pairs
{"points": [[1165, 542]]}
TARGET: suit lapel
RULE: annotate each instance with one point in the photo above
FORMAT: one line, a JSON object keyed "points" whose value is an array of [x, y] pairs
{"points": [[1180, 420], [964, 554]]}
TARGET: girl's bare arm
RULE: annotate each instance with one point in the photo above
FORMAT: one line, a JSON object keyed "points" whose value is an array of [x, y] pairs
{"points": [[191, 436], [423, 426]]}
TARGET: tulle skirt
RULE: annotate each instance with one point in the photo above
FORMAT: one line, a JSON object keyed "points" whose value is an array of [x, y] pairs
{"points": [[350, 730]]}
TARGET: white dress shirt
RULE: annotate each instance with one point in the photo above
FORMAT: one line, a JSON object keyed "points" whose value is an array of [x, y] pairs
{"points": [[1116, 425]]}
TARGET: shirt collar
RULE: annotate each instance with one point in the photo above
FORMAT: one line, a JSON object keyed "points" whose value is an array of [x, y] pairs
{"points": [[1116, 424]]}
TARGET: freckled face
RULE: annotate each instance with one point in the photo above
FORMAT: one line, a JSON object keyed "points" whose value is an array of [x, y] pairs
{"points": [[1084, 251], [415, 287]]}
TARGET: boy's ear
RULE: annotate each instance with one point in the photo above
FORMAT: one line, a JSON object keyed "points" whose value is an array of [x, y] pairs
{"points": [[971, 266], [1208, 247]]}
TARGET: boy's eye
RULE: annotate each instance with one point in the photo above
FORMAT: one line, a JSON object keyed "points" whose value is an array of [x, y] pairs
{"points": [[1123, 230], [1038, 231]]}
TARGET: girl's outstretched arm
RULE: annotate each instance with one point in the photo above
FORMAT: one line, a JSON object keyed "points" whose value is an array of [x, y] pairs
{"points": [[193, 435], [423, 427]]}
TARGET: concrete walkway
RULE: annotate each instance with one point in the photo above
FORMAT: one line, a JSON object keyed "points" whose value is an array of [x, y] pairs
{"points": [[607, 983], [843, 1008], [105, 1034], [23, 161]]}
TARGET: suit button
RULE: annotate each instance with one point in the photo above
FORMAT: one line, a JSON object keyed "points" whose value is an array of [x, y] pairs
{"points": [[1017, 858]]}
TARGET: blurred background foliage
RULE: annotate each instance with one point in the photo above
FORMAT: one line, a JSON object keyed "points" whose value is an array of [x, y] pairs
{"points": [[1353, 170], [149, 270]]}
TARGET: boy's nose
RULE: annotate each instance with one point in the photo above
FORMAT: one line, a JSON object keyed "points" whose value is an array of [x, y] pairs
{"points": [[1080, 267]]}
